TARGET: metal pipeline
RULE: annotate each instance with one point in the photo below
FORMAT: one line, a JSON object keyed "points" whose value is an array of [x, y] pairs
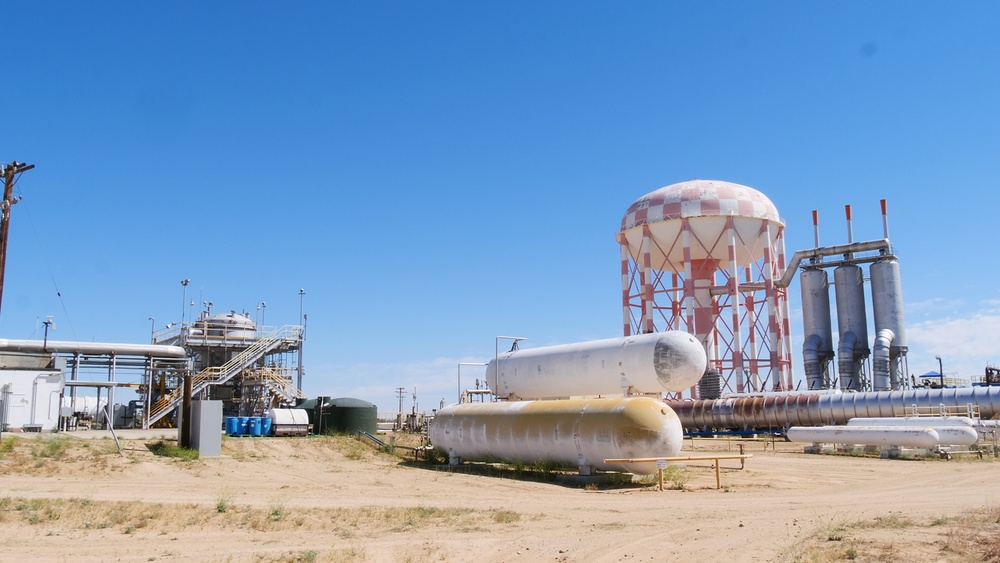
{"points": [[94, 348], [811, 363], [846, 364], [880, 360], [800, 255], [812, 409]]}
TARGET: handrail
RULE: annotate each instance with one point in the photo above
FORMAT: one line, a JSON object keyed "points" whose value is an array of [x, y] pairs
{"points": [[715, 458], [283, 385]]}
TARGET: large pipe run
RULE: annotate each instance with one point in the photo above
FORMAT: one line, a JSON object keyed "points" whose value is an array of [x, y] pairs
{"points": [[811, 362], [91, 348], [813, 409], [847, 363], [800, 255], [881, 371]]}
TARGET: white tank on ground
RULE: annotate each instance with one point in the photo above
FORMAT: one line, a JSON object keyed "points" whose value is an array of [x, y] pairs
{"points": [[644, 363], [924, 421], [911, 436], [575, 433], [289, 422]]}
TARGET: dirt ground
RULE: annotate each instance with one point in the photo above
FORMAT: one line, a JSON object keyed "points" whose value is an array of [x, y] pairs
{"points": [[72, 497]]}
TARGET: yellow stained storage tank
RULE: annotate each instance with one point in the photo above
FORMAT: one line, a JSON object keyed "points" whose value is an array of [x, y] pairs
{"points": [[576, 433]]}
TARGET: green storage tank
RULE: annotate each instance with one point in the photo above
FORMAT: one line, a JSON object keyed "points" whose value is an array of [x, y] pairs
{"points": [[351, 415], [340, 415]]}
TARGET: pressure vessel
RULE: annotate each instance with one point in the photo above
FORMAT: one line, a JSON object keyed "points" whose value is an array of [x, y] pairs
{"points": [[579, 433], [644, 363]]}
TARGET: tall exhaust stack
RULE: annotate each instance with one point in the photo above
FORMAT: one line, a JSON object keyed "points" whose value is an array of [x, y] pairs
{"points": [[889, 365]]}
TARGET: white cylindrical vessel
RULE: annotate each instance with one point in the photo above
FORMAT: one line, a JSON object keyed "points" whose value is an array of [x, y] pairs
{"points": [[913, 436], [868, 435], [925, 421], [289, 422], [577, 433], [644, 363]]}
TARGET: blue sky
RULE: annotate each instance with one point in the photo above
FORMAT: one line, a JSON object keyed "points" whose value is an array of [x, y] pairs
{"points": [[434, 174]]}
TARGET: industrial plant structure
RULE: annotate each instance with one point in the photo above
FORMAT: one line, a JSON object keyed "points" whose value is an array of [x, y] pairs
{"points": [[249, 368], [225, 357], [41, 381], [707, 330]]}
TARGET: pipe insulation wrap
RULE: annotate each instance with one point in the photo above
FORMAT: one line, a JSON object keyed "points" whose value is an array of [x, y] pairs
{"points": [[814, 409], [880, 359], [811, 362]]}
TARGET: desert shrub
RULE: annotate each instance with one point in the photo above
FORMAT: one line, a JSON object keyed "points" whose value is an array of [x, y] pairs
{"points": [[165, 449], [50, 448]]}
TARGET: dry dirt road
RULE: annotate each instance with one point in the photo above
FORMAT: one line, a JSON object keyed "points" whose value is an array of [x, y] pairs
{"points": [[66, 498]]}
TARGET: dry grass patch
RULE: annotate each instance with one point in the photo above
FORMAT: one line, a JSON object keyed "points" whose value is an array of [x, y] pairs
{"points": [[133, 517], [51, 454], [971, 537]]}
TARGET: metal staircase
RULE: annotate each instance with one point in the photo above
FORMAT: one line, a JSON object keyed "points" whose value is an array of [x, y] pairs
{"points": [[279, 384], [217, 375]]}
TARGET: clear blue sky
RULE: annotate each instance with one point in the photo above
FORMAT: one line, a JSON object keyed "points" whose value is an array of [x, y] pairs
{"points": [[435, 174]]}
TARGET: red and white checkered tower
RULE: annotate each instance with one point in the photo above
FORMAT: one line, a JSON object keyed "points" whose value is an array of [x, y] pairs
{"points": [[702, 257]]}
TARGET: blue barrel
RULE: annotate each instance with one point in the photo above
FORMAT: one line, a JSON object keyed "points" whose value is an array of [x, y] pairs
{"points": [[232, 425], [265, 426], [255, 426], [244, 426]]}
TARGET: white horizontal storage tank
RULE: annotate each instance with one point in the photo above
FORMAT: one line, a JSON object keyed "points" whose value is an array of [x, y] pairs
{"points": [[289, 422], [644, 363], [576, 433], [924, 421], [911, 436]]}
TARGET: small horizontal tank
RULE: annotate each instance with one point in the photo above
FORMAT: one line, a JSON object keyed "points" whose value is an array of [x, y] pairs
{"points": [[644, 363]]}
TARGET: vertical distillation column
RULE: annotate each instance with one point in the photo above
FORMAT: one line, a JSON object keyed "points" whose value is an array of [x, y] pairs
{"points": [[852, 320], [889, 351], [817, 348]]}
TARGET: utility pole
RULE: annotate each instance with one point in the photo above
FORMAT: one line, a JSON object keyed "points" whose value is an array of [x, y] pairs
{"points": [[9, 173]]}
